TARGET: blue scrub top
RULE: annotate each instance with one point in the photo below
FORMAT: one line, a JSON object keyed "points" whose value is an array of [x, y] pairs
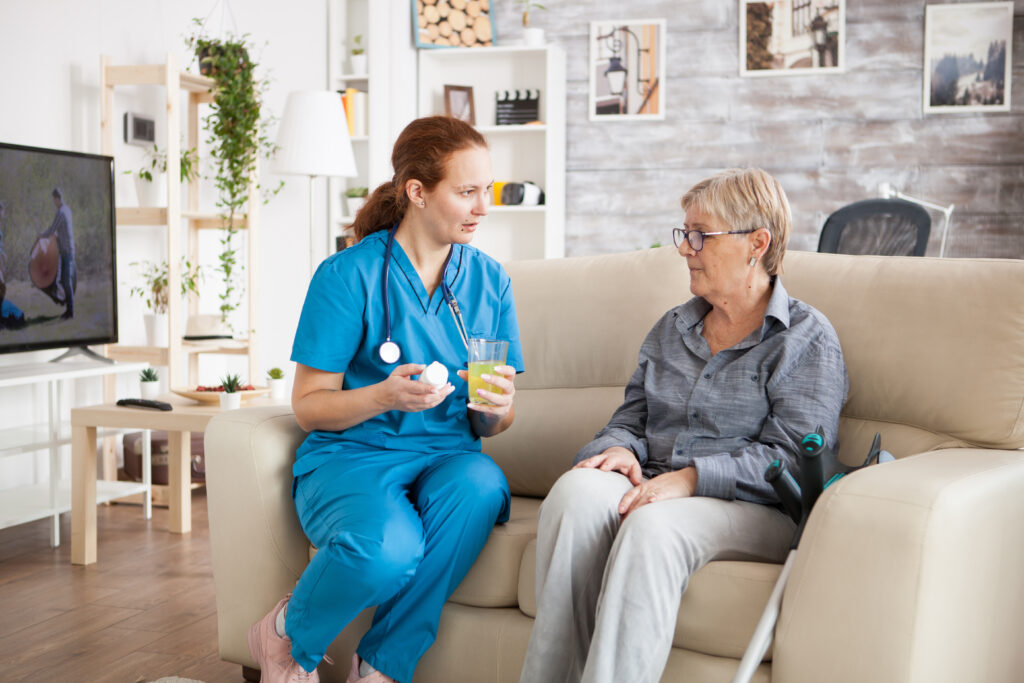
{"points": [[342, 327]]}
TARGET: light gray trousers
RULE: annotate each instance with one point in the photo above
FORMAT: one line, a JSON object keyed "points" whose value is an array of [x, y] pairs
{"points": [[608, 590]]}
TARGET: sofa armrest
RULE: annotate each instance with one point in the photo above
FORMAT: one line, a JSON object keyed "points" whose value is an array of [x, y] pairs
{"points": [[911, 571], [258, 547]]}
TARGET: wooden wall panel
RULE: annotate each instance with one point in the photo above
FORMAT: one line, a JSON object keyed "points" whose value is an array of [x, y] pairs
{"points": [[830, 139]]}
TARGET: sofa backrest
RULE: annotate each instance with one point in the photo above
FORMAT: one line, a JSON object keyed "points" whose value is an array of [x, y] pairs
{"points": [[934, 349]]}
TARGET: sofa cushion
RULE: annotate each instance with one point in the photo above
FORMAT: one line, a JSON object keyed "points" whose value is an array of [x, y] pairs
{"points": [[915, 334], [493, 580]]}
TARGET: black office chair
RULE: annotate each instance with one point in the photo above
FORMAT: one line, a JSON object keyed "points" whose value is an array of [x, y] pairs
{"points": [[886, 227]]}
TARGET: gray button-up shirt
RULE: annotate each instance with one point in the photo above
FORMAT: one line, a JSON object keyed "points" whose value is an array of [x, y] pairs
{"points": [[730, 414]]}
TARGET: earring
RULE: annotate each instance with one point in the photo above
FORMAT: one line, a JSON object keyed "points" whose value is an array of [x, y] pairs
{"points": [[752, 261], [422, 205]]}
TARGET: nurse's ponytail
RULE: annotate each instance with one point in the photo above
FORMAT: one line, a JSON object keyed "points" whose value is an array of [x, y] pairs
{"points": [[421, 153]]}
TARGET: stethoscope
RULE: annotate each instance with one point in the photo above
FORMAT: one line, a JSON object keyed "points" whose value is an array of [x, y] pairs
{"points": [[389, 351]]}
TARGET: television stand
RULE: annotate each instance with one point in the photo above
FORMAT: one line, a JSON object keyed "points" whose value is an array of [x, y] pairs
{"points": [[82, 351]]}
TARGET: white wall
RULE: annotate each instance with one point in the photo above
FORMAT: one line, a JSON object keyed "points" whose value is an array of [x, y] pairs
{"points": [[50, 51]]}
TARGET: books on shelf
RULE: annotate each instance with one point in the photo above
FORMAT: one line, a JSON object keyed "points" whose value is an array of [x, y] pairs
{"points": [[355, 103]]}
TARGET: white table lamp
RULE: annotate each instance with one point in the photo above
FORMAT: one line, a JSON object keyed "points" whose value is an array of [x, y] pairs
{"points": [[313, 141]]}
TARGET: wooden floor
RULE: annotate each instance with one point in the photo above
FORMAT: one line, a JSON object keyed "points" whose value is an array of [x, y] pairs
{"points": [[144, 611]]}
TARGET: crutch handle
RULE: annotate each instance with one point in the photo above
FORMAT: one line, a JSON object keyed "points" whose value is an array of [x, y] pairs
{"points": [[785, 487]]}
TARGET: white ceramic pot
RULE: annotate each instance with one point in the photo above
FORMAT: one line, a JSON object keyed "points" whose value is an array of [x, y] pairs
{"points": [[278, 388], [152, 193], [156, 329], [149, 390], [358, 64], [533, 37], [354, 204], [230, 401]]}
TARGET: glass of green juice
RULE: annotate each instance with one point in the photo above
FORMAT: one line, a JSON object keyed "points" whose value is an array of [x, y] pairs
{"points": [[484, 356]]}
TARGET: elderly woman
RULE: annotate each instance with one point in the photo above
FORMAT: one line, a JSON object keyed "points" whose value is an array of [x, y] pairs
{"points": [[726, 383]]}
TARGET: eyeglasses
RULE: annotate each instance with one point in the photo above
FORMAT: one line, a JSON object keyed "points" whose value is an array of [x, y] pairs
{"points": [[695, 238]]}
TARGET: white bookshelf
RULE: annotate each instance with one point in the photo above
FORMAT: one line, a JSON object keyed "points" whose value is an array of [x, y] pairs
{"points": [[385, 26], [32, 502], [518, 152]]}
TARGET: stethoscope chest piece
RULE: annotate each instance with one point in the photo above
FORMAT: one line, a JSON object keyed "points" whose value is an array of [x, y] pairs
{"points": [[389, 352]]}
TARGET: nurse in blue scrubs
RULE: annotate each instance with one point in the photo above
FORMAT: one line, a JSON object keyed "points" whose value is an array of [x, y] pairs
{"points": [[390, 485]]}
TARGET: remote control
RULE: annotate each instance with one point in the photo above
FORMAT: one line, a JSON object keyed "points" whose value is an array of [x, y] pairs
{"points": [[144, 403]]}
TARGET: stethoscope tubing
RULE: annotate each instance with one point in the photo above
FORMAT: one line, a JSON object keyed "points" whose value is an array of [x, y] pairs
{"points": [[389, 350]]}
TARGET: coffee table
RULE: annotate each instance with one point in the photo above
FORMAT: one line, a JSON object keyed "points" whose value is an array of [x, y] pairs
{"points": [[186, 417]]}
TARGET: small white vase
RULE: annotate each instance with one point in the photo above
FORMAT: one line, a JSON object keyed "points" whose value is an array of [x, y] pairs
{"points": [[278, 388], [357, 64], [156, 329], [533, 37], [354, 204], [153, 193], [230, 401], [149, 390]]}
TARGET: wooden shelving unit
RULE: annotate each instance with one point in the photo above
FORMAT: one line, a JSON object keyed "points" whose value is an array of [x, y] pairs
{"points": [[198, 89]]}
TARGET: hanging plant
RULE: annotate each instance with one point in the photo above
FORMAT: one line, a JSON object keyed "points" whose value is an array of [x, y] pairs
{"points": [[236, 141]]}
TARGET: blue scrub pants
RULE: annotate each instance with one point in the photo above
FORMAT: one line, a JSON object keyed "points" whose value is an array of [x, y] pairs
{"points": [[394, 529]]}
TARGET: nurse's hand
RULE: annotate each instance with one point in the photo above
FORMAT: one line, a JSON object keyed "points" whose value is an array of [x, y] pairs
{"points": [[400, 392], [501, 403]]}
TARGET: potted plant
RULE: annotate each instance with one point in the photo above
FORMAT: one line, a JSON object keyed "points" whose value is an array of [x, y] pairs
{"points": [[357, 58], [154, 293], [355, 197], [149, 186], [149, 383], [230, 398], [237, 139], [275, 380], [532, 36]]}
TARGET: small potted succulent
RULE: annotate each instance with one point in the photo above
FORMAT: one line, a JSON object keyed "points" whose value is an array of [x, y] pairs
{"points": [[230, 398], [532, 36], [357, 56], [149, 383], [275, 380], [355, 197]]}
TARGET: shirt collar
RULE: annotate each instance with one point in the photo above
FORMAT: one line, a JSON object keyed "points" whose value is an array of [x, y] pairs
{"points": [[693, 311]]}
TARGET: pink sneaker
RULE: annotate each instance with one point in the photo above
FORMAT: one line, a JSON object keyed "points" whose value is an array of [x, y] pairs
{"points": [[273, 653], [375, 677]]}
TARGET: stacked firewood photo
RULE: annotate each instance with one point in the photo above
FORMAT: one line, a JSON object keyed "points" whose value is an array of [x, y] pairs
{"points": [[458, 23]]}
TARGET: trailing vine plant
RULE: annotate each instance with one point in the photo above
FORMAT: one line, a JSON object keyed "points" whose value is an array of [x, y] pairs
{"points": [[236, 139]]}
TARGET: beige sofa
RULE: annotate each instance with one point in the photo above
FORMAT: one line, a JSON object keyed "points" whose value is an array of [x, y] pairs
{"points": [[913, 571]]}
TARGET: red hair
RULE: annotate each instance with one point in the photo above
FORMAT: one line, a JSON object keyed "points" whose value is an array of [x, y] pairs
{"points": [[421, 153]]}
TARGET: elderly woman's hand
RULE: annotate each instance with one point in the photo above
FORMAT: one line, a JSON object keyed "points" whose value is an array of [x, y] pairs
{"points": [[615, 459], [679, 484]]}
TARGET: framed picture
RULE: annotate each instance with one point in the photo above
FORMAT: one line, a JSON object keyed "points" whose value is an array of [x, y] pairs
{"points": [[454, 23], [792, 37], [967, 57], [627, 69], [458, 102]]}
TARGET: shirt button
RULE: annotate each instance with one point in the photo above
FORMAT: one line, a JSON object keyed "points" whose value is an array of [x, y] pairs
{"points": [[707, 375], [693, 415], [753, 378]]}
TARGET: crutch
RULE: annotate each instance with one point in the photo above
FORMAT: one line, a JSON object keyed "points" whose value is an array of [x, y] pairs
{"points": [[797, 500]]}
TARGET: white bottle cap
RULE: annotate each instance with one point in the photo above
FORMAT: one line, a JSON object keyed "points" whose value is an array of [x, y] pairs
{"points": [[435, 375]]}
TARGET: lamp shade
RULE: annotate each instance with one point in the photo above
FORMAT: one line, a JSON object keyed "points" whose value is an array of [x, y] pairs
{"points": [[616, 75], [313, 136]]}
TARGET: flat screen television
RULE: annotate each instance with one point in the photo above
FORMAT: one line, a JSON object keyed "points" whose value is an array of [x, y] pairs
{"points": [[58, 279]]}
